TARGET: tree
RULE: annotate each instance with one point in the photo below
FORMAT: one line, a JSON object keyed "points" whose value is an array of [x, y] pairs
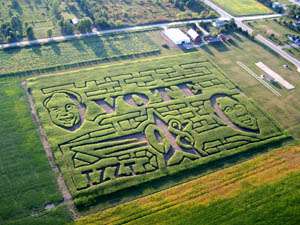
{"points": [[55, 9], [85, 25], [103, 23], [66, 27], [49, 33], [29, 32], [17, 25]]}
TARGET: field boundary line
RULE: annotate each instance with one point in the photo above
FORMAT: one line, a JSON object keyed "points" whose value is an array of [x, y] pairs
{"points": [[68, 200], [254, 75]]}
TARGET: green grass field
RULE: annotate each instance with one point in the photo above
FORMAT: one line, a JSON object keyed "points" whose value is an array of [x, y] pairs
{"points": [[243, 7], [27, 182], [76, 52], [121, 125], [238, 194]]}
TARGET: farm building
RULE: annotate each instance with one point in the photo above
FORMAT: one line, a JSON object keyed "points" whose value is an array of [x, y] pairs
{"points": [[194, 35], [75, 21], [177, 36]]}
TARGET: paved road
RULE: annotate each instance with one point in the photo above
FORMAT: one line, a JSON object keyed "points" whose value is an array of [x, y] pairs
{"points": [[260, 38], [120, 30], [127, 29]]}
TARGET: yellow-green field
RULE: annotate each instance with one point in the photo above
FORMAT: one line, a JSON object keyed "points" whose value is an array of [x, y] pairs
{"points": [[255, 182], [243, 7]]}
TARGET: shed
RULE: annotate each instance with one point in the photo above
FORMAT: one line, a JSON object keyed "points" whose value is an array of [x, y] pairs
{"points": [[177, 36], [75, 21], [194, 35]]}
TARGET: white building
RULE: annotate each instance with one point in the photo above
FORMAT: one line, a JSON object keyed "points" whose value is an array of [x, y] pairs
{"points": [[75, 21], [177, 36], [194, 35]]}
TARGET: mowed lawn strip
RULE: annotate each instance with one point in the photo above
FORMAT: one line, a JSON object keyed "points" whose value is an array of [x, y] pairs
{"points": [[243, 7], [172, 205], [27, 183]]}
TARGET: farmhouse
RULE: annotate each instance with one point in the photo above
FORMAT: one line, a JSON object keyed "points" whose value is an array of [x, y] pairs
{"points": [[177, 36], [194, 35]]}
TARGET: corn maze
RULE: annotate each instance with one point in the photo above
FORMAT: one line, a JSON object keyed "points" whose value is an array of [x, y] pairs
{"points": [[119, 126]]}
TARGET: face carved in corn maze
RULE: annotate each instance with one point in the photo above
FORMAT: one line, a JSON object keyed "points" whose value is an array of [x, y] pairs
{"points": [[64, 109], [237, 113]]}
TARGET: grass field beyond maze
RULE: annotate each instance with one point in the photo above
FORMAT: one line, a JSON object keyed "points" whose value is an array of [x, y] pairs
{"points": [[121, 125], [243, 7]]}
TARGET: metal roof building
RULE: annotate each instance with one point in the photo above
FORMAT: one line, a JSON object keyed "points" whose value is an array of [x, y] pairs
{"points": [[177, 36], [194, 35]]}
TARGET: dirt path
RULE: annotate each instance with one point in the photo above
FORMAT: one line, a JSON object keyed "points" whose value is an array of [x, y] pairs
{"points": [[43, 137]]}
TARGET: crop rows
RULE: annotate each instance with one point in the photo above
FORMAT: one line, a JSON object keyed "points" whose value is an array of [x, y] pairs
{"points": [[76, 53]]}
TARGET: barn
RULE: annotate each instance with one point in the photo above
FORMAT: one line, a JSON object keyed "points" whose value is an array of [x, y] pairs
{"points": [[194, 35], [177, 36]]}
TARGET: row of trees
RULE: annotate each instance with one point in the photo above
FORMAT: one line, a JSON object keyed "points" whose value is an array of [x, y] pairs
{"points": [[84, 25], [294, 12], [14, 30], [193, 5], [95, 10]]}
